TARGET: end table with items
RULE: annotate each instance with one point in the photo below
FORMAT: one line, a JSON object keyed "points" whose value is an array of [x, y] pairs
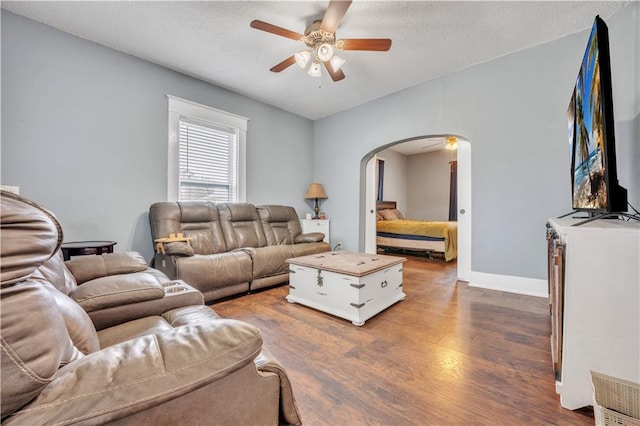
{"points": [[81, 248]]}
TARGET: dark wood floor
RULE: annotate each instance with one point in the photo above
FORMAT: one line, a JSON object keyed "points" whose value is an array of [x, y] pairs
{"points": [[448, 354]]}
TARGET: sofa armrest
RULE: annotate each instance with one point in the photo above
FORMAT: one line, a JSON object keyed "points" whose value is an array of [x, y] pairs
{"points": [[312, 237], [116, 290], [178, 248], [86, 268], [289, 412], [178, 294], [142, 373]]}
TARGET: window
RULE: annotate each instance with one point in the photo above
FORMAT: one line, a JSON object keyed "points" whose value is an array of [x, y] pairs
{"points": [[207, 168], [206, 153]]}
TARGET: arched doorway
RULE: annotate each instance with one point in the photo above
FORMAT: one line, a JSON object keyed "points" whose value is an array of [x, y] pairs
{"points": [[368, 198]]}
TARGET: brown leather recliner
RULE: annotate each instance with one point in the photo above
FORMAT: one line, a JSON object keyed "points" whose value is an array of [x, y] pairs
{"points": [[116, 287], [184, 365], [234, 247]]}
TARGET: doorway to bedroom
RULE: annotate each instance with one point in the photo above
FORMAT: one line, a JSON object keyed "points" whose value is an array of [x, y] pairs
{"points": [[420, 193]]}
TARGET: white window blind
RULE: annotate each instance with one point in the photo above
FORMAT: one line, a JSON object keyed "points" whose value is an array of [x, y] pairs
{"points": [[208, 162], [206, 153]]}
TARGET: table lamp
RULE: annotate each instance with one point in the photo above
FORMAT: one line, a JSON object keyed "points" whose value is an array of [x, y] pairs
{"points": [[316, 192]]}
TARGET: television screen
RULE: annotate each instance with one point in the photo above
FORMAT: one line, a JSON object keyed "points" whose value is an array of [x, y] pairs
{"points": [[594, 181], [571, 126]]}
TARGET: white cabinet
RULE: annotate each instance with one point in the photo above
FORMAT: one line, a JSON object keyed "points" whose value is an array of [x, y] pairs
{"points": [[316, 225], [597, 285]]}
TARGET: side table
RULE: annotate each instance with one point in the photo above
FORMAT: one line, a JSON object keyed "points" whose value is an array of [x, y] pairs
{"points": [[80, 248]]}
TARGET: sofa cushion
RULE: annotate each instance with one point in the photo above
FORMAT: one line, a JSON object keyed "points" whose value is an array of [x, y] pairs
{"points": [[304, 249], [241, 226], [79, 326], [206, 237], [198, 220], [86, 268], [29, 237], [207, 272], [55, 272], [270, 260], [132, 329], [117, 290], [280, 223], [34, 345], [190, 315]]}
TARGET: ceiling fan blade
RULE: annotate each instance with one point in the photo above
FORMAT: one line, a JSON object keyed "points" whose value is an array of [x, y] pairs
{"points": [[284, 64], [274, 29], [335, 75], [378, 44], [334, 14]]}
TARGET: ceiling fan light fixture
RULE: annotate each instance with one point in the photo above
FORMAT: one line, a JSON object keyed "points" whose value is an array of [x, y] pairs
{"points": [[325, 52], [314, 69], [336, 62], [320, 40], [451, 143], [302, 58]]}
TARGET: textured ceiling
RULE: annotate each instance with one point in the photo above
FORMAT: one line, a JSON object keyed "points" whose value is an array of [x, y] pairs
{"points": [[212, 40]]}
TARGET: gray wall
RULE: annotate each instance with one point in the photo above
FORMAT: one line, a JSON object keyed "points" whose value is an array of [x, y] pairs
{"points": [[428, 185], [84, 132], [395, 178], [513, 112], [419, 183]]}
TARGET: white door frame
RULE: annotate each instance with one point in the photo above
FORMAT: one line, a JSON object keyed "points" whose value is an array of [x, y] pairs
{"points": [[368, 201], [370, 208]]}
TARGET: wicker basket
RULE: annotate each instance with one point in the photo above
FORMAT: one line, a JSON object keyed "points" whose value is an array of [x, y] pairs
{"points": [[615, 401]]}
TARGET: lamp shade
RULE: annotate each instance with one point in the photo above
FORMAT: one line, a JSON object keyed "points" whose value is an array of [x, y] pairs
{"points": [[336, 63], [315, 191], [314, 70], [302, 58], [325, 52]]}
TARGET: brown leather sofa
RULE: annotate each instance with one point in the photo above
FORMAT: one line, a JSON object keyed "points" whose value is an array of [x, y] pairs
{"points": [[233, 248], [157, 356]]}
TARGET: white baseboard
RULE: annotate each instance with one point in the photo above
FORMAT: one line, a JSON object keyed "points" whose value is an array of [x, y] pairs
{"points": [[520, 285]]}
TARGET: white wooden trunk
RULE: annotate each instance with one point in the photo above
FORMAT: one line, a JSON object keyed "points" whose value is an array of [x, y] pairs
{"points": [[350, 297]]}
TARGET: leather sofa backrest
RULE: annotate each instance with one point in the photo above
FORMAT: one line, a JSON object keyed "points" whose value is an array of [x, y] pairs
{"points": [[30, 235], [57, 274], [86, 268], [56, 277], [198, 220], [241, 225], [280, 224], [81, 330], [35, 341]]}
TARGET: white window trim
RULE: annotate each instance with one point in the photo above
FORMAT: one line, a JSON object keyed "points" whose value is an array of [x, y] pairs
{"points": [[183, 108]]}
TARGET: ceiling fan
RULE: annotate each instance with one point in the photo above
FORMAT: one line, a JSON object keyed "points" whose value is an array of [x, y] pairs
{"points": [[320, 39]]}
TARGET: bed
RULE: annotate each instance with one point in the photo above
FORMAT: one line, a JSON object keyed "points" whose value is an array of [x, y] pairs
{"points": [[393, 231]]}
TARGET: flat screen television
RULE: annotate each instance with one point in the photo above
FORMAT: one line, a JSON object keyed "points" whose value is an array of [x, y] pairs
{"points": [[594, 179]]}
